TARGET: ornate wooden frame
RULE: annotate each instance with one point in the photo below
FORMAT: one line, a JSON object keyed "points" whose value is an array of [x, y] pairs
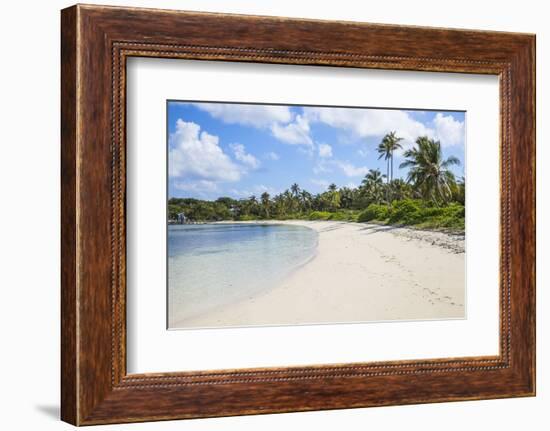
{"points": [[95, 42]]}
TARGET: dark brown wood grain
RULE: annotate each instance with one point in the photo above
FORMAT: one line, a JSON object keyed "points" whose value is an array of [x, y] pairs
{"points": [[68, 216], [96, 41]]}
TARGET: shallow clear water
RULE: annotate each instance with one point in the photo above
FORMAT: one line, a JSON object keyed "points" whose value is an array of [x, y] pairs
{"points": [[212, 265]]}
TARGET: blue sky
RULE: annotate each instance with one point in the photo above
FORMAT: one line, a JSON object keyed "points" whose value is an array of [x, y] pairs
{"points": [[239, 150]]}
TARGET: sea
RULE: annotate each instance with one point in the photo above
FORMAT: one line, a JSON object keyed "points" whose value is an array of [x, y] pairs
{"points": [[214, 265]]}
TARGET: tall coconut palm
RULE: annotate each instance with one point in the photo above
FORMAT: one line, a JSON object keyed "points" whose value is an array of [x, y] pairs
{"points": [[390, 143], [429, 172]]}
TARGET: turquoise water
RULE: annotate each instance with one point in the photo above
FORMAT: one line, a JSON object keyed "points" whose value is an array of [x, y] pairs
{"points": [[212, 265]]}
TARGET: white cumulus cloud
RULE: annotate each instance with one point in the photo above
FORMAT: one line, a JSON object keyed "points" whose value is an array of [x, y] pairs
{"points": [[283, 124], [246, 158], [294, 133], [370, 122], [448, 130], [347, 168], [366, 123], [350, 170], [248, 115], [196, 155], [325, 150]]}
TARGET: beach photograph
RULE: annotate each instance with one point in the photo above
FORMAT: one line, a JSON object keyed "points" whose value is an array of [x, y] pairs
{"points": [[302, 215]]}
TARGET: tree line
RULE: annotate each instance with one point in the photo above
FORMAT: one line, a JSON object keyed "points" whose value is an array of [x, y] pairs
{"points": [[429, 182]]}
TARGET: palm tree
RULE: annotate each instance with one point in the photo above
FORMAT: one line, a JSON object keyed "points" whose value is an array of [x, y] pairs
{"points": [[330, 200], [459, 191], [265, 198], [334, 200], [373, 177], [265, 203], [373, 186], [290, 201], [346, 197], [253, 205], [390, 143], [279, 203], [305, 198], [295, 189], [400, 190], [429, 172]]}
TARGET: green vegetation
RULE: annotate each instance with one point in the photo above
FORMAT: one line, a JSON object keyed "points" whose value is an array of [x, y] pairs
{"points": [[341, 215], [417, 213], [319, 215], [374, 212], [430, 198]]}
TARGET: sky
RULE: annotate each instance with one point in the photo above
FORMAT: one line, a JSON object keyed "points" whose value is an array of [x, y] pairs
{"points": [[239, 150]]}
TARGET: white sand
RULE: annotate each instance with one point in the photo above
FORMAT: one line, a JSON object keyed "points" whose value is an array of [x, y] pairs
{"points": [[361, 272]]}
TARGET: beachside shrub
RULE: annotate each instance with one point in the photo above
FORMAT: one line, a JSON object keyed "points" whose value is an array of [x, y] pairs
{"points": [[296, 216], [407, 211], [450, 216], [344, 215], [319, 215], [374, 212], [456, 210], [428, 212], [352, 215], [417, 213], [246, 218]]}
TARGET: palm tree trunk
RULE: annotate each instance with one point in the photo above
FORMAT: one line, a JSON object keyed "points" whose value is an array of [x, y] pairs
{"points": [[388, 181], [391, 158]]}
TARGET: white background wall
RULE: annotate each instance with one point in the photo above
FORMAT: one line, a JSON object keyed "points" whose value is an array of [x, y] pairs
{"points": [[29, 216]]}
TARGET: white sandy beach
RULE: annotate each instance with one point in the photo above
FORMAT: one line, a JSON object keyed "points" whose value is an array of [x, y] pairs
{"points": [[360, 273]]}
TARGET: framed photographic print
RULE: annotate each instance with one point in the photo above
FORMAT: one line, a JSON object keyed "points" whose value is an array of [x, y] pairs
{"points": [[266, 215]]}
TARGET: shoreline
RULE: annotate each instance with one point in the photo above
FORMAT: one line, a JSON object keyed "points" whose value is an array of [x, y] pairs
{"points": [[442, 238], [361, 272]]}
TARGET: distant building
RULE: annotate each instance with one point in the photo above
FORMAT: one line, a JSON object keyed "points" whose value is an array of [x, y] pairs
{"points": [[181, 218]]}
